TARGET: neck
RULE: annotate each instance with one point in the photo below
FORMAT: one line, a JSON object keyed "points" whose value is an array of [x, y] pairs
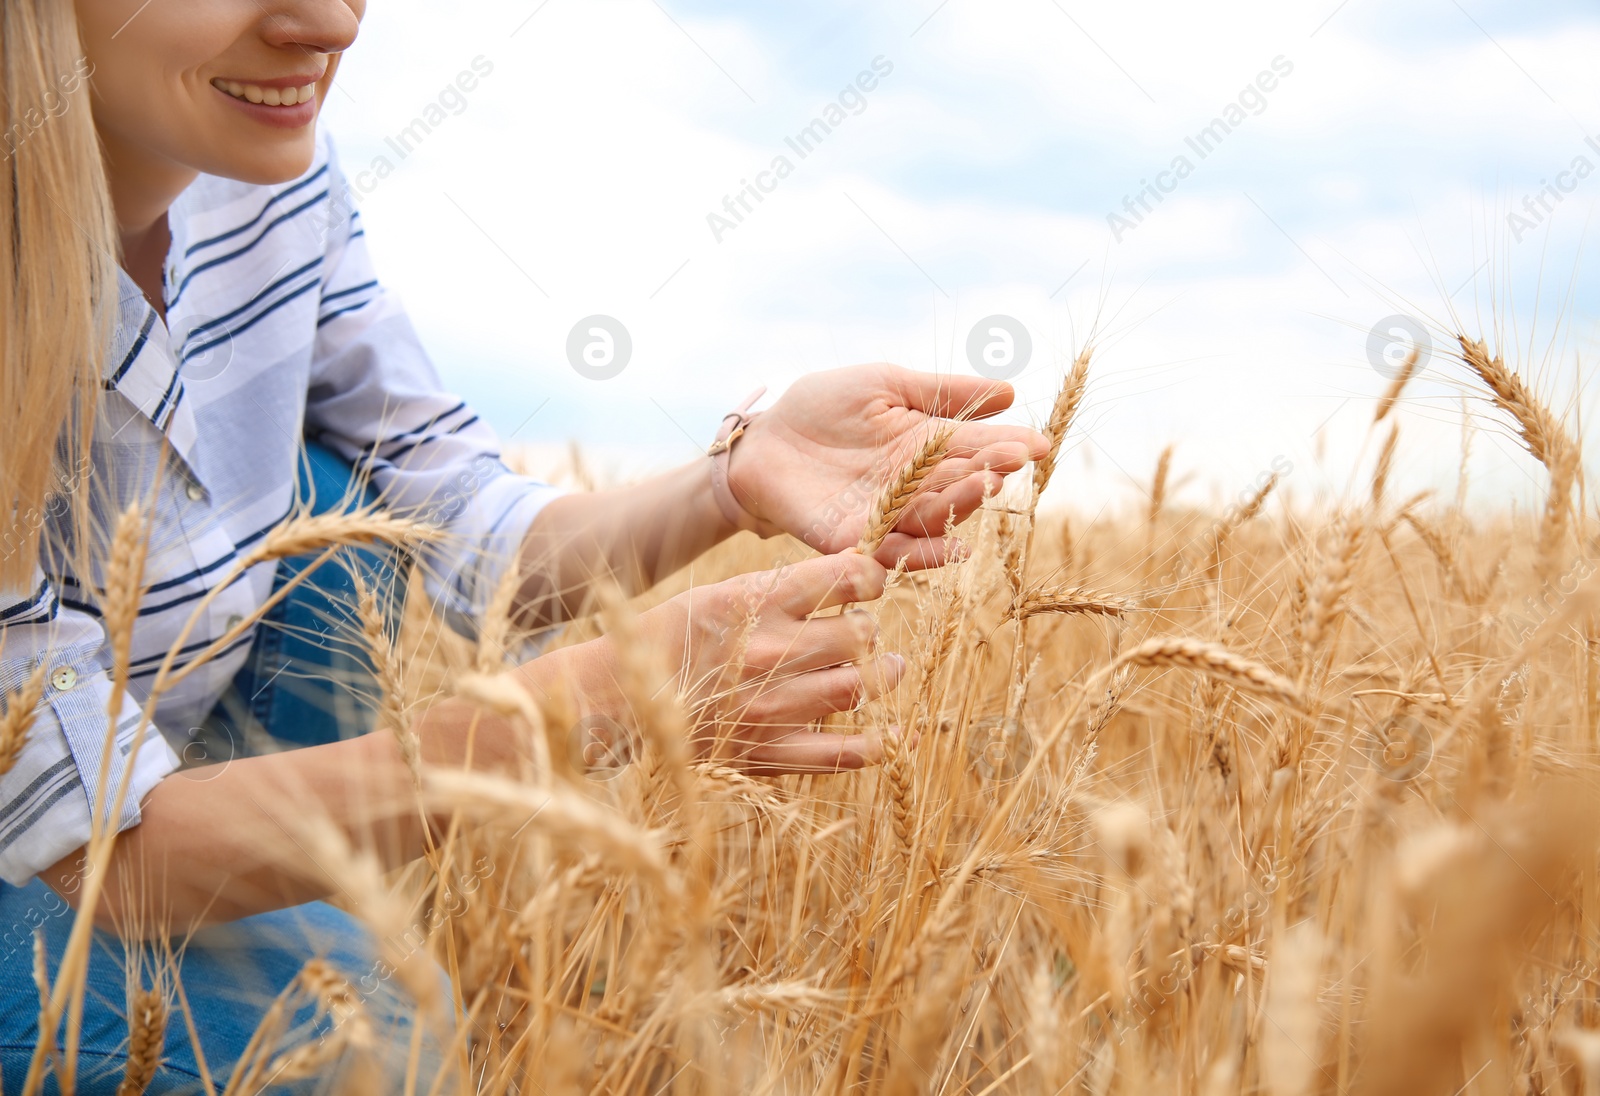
{"points": [[143, 187]]}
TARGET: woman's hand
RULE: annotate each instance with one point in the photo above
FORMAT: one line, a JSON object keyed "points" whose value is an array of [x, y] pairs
{"points": [[813, 464], [756, 669]]}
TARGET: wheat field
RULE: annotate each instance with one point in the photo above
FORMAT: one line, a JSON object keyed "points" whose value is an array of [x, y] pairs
{"points": [[1272, 800]]}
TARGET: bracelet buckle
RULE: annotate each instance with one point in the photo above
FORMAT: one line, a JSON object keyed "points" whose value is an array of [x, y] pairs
{"points": [[734, 424]]}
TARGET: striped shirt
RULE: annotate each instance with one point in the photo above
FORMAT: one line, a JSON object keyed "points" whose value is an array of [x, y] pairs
{"points": [[277, 328]]}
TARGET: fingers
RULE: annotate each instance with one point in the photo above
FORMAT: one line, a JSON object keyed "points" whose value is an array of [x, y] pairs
{"points": [[947, 396], [802, 752], [796, 701], [928, 514], [803, 588], [772, 735], [920, 553], [812, 752], [814, 644], [1004, 448]]}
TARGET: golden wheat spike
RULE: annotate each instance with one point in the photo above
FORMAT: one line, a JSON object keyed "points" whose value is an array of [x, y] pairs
{"points": [[1062, 412], [1214, 660], [1067, 600], [1540, 430], [21, 709], [147, 1033], [900, 492]]}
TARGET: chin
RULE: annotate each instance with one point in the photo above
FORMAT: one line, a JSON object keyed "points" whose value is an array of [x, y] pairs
{"points": [[266, 166]]}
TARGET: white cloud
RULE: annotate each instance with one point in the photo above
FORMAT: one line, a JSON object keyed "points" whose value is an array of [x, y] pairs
{"points": [[990, 157]]}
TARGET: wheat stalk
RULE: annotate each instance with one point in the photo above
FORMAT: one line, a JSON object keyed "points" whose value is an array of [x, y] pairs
{"points": [[1391, 395], [1106, 916], [494, 629], [306, 534], [1380, 473], [561, 814]]}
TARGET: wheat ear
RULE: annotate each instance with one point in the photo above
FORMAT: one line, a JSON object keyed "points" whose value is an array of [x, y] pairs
{"points": [[1234, 520], [897, 772], [124, 589], [351, 1030], [1158, 486], [21, 708], [147, 1033], [899, 492], [1439, 545], [1327, 594], [392, 706], [1066, 600], [1215, 661], [1064, 410], [1538, 427], [1543, 435]]}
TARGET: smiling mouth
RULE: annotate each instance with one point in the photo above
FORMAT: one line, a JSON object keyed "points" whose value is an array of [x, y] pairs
{"points": [[272, 97]]}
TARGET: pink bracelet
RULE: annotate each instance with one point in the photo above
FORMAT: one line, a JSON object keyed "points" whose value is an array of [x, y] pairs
{"points": [[734, 424]]}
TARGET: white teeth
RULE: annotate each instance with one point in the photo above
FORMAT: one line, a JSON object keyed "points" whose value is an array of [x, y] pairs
{"points": [[272, 97]]}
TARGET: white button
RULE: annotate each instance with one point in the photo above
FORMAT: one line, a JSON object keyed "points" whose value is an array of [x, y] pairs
{"points": [[234, 621], [64, 678], [195, 491]]}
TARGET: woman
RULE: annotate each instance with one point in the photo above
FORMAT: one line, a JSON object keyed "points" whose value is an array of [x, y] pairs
{"points": [[188, 297]]}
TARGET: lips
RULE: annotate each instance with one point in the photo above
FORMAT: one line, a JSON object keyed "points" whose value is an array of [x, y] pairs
{"points": [[265, 95]]}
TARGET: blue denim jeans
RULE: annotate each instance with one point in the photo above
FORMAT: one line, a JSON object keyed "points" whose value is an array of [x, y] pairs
{"points": [[308, 678], [307, 681]]}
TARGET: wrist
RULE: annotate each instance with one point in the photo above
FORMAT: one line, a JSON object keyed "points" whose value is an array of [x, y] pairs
{"points": [[707, 512], [732, 493]]}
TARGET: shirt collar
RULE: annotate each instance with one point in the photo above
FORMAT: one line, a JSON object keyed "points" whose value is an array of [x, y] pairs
{"points": [[143, 370]]}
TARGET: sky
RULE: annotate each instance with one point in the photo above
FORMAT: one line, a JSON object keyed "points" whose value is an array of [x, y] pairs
{"points": [[1052, 162]]}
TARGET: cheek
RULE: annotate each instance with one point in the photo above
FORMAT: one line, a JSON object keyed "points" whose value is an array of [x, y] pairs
{"points": [[152, 89], [145, 62]]}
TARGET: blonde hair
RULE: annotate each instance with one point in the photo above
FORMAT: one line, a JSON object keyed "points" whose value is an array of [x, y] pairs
{"points": [[58, 276]]}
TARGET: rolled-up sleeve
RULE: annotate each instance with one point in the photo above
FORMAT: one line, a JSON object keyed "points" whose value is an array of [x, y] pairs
{"points": [[376, 399], [47, 794]]}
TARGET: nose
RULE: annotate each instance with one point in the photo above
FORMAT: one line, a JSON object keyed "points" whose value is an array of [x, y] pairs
{"points": [[316, 26]]}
